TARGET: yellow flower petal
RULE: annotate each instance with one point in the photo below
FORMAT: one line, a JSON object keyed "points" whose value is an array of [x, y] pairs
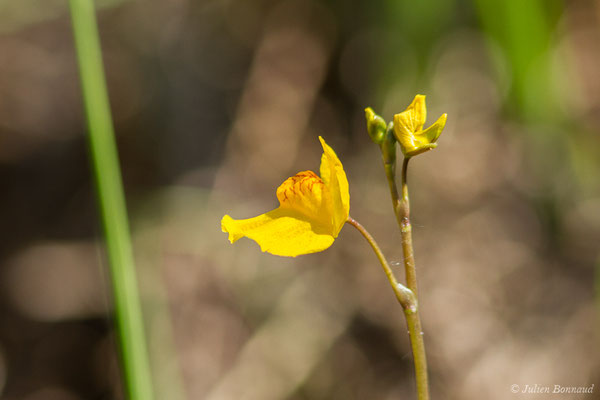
{"points": [[332, 173], [431, 134], [420, 149], [306, 194], [405, 137], [311, 213], [413, 118], [283, 232]]}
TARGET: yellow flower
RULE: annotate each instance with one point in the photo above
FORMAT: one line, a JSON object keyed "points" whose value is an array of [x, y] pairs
{"points": [[408, 128], [311, 213]]}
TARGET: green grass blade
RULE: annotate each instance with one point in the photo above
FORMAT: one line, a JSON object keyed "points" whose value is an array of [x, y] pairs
{"points": [[135, 364]]}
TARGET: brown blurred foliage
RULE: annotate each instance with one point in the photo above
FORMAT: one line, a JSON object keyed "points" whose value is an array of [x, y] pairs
{"points": [[215, 104]]}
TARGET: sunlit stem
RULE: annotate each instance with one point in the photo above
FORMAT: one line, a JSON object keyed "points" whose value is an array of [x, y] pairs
{"points": [[409, 303]]}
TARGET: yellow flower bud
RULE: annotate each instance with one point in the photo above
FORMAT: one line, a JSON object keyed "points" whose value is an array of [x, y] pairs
{"points": [[408, 128], [376, 126]]}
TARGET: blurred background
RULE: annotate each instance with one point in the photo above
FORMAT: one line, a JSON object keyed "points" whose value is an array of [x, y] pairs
{"points": [[215, 104]]}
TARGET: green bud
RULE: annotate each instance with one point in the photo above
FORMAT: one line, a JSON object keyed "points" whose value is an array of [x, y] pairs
{"points": [[375, 126]]}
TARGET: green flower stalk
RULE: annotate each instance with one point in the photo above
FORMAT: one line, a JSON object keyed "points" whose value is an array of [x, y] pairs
{"points": [[407, 129]]}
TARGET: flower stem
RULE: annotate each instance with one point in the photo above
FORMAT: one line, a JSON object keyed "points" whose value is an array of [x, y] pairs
{"points": [[402, 210], [404, 295], [401, 207], [105, 163], [403, 217], [408, 300]]}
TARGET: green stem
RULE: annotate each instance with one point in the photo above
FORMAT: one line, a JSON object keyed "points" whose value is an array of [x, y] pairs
{"points": [[105, 164], [402, 210], [404, 295], [403, 217], [401, 207], [390, 173], [409, 302]]}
